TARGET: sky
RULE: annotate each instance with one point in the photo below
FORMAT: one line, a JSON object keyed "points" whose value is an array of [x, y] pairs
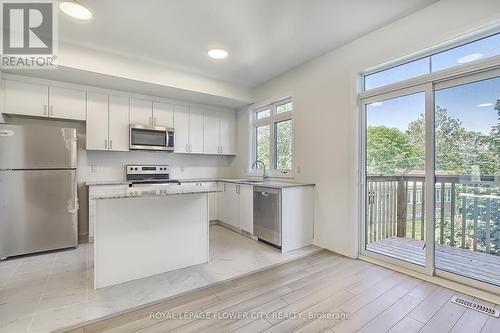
{"points": [[469, 103]]}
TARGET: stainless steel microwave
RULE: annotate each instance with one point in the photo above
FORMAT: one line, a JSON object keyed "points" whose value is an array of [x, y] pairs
{"points": [[151, 138]]}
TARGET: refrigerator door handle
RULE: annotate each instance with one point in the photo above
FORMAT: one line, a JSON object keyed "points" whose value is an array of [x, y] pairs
{"points": [[74, 199]]}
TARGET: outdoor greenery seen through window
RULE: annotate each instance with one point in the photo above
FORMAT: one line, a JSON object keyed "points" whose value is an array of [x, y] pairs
{"points": [[273, 137], [467, 160]]}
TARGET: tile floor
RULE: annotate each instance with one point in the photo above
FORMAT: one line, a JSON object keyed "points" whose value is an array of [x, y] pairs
{"points": [[45, 292]]}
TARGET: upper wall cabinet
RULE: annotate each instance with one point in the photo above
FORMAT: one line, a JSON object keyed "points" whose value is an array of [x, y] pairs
{"points": [[67, 103], [181, 126], [227, 133], [204, 131], [31, 99], [141, 112], [219, 134], [163, 114], [211, 134], [26, 99], [107, 122], [150, 113], [196, 130]]}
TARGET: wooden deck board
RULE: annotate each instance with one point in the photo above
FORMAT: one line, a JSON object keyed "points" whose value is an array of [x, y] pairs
{"points": [[477, 265]]}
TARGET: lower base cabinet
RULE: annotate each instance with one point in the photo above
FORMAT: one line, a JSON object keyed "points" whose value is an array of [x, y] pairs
{"points": [[235, 206]]}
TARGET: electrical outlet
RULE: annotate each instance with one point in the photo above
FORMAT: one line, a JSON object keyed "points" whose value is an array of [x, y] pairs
{"points": [[182, 168], [298, 168]]}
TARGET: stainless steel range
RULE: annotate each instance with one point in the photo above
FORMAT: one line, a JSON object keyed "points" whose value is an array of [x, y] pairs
{"points": [[141, 175]]}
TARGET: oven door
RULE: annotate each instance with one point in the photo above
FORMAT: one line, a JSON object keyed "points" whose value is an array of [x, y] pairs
{"points": [[149, 138]]}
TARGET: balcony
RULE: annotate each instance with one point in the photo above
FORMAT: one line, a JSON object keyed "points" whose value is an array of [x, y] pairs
{"points": [[467, 226]]}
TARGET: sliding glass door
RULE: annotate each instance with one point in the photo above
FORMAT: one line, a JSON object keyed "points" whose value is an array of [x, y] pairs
{"points": [[467, 171], [394, 176], [431, 177]]}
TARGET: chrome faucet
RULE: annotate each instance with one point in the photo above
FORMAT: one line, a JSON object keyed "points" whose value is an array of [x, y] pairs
{"points": [[254, 165]]}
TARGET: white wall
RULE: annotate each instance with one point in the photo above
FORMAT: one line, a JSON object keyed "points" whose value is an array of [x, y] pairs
{"points": [[325, 108]]}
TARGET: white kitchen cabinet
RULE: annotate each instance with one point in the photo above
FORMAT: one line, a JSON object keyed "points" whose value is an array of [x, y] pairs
{"points": [[195, 130], [227, 133], [107, 122], [27, 99], [246, 207], [181, 125], [211, 132], [118, 123], [235, 206], [97, 121], [67, 103], [228, 205], [212, 206], [163, 114], [141, 112]]}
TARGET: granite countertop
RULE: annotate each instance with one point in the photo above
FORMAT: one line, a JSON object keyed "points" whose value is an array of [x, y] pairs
{"points": [[272, 184], [105, 192]]}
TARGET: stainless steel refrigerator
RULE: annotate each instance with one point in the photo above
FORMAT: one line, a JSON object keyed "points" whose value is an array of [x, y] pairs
{"points": [[38, 190]]}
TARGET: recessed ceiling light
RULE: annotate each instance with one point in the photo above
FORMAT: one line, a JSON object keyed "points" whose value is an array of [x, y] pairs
{"points": [[484, 105], [470, 58], [217, 53], [76, 9], [376, 104]]}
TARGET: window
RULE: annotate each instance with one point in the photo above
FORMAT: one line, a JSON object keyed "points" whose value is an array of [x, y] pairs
{"points": [[410, 196], [273, 136], [263, 114], [480, 49], [438, 195], [396, 74], [419, 196], [447, 195]]}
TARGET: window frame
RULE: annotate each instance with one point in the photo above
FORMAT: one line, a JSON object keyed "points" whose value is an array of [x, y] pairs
{"points": [[272, 120], [432, 76]]}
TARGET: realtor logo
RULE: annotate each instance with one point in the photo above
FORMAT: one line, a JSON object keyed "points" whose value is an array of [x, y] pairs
{"points": [[28, 34]]}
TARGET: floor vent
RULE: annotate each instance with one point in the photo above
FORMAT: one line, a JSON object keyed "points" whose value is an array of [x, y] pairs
{"points": [[476, 306]]}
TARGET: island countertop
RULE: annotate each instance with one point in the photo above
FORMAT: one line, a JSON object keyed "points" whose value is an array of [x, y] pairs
{"points": [[105, 192], [245, 181]]}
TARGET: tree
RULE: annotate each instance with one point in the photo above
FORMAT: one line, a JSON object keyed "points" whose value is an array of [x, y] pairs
{"points": [[457, 149], [388, 150]]}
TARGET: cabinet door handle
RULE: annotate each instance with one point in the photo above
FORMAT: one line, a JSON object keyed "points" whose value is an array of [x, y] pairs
{"points": [[52, 110], [105, 144], [110, 144]]}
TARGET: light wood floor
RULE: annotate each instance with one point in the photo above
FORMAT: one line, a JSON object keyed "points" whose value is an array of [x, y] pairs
{"points": [[375, 299], [477, 265]]}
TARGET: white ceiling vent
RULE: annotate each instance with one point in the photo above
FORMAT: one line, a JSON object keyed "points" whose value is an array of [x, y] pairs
{"points": [[476, 306]]}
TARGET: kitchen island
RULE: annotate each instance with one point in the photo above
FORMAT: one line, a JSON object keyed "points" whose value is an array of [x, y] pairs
{"points": [[144, 231]]}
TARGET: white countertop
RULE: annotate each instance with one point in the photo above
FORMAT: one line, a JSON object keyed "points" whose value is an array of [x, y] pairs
{"points": [[273, 184], [105, 192]]}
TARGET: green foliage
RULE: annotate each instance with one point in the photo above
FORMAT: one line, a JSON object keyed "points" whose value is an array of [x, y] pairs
{"points": [[388, 150], [283, 133], [263, 145], [284, 145], [392, 151]]}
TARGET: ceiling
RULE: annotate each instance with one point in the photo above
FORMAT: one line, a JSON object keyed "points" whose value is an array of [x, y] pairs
{"points": [[264, 37]]}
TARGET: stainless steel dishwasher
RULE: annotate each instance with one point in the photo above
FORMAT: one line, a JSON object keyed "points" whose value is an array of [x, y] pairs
{"points": [[267, 215]]}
